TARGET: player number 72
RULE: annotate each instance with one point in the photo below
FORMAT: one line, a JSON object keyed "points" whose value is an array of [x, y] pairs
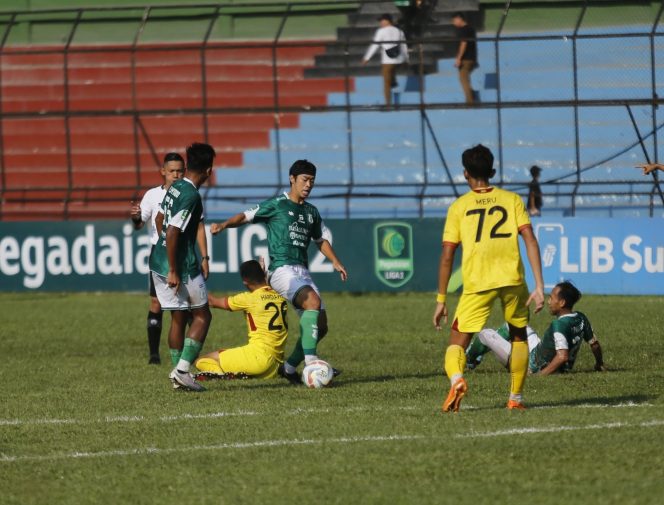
{"points": [[495, 233]]}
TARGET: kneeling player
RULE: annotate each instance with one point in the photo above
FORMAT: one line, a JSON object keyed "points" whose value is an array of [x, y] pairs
{"points": [[266, 312], [557, 351]]}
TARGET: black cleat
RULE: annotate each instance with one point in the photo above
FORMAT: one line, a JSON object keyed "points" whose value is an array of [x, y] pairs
{"points": [[293, 378], [154, 359], [336, 372]]}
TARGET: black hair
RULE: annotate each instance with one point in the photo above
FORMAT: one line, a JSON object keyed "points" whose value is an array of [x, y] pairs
{"points": [[251, 271], [459, 15], [535, 170], [568, 292], [200, 157], [173, 157], [302, 167], [478, 161]]}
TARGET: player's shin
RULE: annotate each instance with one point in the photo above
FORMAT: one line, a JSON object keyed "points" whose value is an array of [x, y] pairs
{"points": [[309, 334], [154, 331], [296, 357], [190, 352], [518, 369], [455, 362], [175, 356]]}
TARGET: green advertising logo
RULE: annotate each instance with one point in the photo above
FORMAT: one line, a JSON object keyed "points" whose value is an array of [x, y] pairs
{"points": [[393, 253]]}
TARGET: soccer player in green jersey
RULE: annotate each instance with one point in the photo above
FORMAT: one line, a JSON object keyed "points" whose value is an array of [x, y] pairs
{"points": [[292, 223], [176, 270], [486, 222], [557, 351]]}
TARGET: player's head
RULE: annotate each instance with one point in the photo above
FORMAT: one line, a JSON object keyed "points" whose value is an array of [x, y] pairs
{"points": [[385, 20], [563, 297], [172, 169], [252, 273], [200, 157], [478, 162], [302, 175]]}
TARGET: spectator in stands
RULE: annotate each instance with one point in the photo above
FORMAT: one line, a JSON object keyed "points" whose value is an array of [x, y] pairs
{"points": [[535, 192], [466, 58], [414, 15], [146, 212], [650, 167], [394, 52]]}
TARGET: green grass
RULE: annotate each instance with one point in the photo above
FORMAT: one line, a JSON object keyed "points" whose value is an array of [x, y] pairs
{"points": [[84, 419]]}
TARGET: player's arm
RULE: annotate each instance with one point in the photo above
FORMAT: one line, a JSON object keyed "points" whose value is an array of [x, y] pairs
{"points": [[136, 217], [444, 274], [596, 349], [201, 240], [561, 357], [159, 222], [172, 238], [326, 250], [218, 302], [533, 253], [233, 222]]}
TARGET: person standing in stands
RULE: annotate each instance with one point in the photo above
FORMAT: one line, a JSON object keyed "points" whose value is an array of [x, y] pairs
{"points": [[535, 192], [466, 58], [393, 52]]}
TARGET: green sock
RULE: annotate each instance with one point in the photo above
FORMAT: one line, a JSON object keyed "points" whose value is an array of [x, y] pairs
{"points": [[475, 350], [309, 331], [191, 350], [175, 356], [297, 355]]}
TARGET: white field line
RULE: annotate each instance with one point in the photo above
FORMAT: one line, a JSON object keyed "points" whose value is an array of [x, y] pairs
{"points": [[236, 445], [4, 458], [558, 429]]}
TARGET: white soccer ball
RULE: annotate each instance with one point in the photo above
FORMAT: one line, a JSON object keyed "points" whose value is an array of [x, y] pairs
{"points": [[317, 374]]}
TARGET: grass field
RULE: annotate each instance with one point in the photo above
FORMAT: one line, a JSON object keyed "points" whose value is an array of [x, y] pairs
{"points": [[84, 419]]}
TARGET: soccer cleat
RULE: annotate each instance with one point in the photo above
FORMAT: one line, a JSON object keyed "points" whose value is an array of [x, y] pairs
{"points": [[474, 363], [456, 394], [336, 372], [294, 378], [208, 376], [184, 380], [154, 359], [515, 405]]}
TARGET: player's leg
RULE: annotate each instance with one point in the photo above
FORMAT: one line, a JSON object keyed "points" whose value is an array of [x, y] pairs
{"points": [[471, 316], [494, 341], [247, 360], [308, 301], [154, 324], [516, 314], [475, 352]]}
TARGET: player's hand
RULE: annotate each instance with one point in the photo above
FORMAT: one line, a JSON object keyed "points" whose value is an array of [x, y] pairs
{"points": [[342, 270], [135, 212], [440, 313], [457, 62], [536, 296], [173, 280], [649, 167], [205, 268], [216, 228]]}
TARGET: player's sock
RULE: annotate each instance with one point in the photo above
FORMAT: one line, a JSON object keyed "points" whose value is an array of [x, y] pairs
{"points": [[518, 368], [455, 362], [154, 331], [295, 358], [175, 356], [309, 332], [475, 350], [190, 352]]}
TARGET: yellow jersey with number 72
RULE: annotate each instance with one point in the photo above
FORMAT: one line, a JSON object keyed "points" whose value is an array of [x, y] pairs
{"points": [[486, 222]]}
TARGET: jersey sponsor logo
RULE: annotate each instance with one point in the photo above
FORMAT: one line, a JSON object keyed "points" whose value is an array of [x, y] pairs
{"points": [[393, 253]]}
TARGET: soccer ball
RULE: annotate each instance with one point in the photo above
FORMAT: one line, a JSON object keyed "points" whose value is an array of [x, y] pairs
{"points": [[317, 374]]}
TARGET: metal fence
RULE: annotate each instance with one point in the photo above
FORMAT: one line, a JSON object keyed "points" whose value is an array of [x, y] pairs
{"points": [[564, 72]]}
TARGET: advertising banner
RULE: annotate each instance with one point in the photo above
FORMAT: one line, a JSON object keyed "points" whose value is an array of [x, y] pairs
{"points": [[603, 256]]}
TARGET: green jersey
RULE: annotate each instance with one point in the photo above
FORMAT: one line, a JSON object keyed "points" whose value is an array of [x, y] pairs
{"points": [[183, 208], [290, 229], [566, 332]]}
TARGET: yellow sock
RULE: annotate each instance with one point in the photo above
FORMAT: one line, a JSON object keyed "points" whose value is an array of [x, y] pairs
{"points": [[455, 361], [208, 365], [518, 366]]}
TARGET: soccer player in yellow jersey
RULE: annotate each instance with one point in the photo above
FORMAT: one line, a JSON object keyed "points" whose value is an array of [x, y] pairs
{"points": [[486, 223], [266, 312]]}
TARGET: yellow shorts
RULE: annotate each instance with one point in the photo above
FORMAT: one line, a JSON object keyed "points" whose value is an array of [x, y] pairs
{"points": [[249, 359], [473, 310]]}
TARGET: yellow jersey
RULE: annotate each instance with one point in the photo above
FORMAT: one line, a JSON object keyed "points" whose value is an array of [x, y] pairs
{"points": [[486, 222], [266, 312]]}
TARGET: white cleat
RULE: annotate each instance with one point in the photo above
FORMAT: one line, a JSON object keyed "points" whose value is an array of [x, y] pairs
{"points": [[184, 380]]}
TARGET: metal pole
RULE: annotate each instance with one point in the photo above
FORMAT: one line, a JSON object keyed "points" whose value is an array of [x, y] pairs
{"points": [[575, 70], [134, 98], [204, 95], [645, 151], [499, 115], [275, 86]]}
